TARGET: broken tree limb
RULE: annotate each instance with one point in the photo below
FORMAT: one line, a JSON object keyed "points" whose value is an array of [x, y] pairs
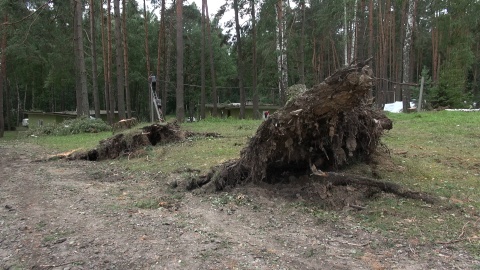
{"points": [[328, 126]]}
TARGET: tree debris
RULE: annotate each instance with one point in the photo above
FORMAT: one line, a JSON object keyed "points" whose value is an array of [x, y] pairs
{"points": [[127, 143], [322, 129]]}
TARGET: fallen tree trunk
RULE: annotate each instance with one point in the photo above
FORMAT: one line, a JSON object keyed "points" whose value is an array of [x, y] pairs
{"points": [[324, 128], [127, 144]]}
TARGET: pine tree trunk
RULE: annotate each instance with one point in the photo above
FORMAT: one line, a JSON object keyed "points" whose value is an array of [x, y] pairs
{"points": [[353, 47], [212, 65], [111, 95], [125, 60], [435, 44], [147, 54], [105, 68], [345, 34], [362, 31], [180, 108], [302, 45], [93, 34], [160, 57], [166, 58], [81, 73], [256, 112], [407, 47], [282, 50], [3, 70], [202, 63], [8, 104], [239, 60], [370, 29], [119, 54]]}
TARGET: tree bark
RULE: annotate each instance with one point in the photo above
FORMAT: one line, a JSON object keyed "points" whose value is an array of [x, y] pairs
{"points": [[239, 60], [282, 51], [111, 96], [370, 28], [180, 108], [166, 58], [125, 59], [160, 50], [119, 61], [407, 46], [147, 54], [353, 48], [302, 45], [435, 45], [345, 34], [256, 112], [212, 65], [93, 34], [81, 73], [105, 69], [3, 70], [202, 63]]}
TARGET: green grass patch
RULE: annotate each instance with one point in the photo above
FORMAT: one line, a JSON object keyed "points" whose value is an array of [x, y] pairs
{"points": [[71, 142], [147, 203], [434, 152], [438, 153], [199, 152]]}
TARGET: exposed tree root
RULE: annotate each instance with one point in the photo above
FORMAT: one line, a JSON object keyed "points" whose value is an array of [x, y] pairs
{"points": [[326, 128], [127, 143], [323, 129], [341, 179]]}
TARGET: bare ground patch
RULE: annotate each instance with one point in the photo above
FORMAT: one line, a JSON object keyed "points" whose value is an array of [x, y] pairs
{"points": [[93, 215]]}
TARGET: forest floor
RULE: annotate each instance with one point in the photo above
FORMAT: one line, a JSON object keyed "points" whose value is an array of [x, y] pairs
{"points": [[94, 215]]}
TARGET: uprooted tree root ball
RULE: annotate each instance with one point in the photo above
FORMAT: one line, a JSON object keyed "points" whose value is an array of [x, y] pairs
{"points": [[323, 129], [125, 144]]}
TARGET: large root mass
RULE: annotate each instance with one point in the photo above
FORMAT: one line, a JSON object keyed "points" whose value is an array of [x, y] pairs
{"points": [[124, 144], [325, 128]]}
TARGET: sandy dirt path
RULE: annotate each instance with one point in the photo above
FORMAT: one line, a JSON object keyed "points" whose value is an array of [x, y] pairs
{"points": [[87, 215]]}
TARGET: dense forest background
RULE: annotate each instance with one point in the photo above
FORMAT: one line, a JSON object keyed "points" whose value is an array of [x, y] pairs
{"points": [[98, 55]]}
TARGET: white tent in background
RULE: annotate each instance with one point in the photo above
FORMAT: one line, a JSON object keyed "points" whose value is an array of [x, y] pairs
{"points": [[396, 107]]}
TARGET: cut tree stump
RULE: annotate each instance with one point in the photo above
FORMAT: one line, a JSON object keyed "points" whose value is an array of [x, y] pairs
{"points": [[323, 129]]}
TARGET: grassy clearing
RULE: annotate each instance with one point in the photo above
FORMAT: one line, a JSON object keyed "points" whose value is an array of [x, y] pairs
{"points": [[198, 152], [436, 152]]}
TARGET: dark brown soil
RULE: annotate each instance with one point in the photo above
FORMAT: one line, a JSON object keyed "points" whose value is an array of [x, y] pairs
{"points": [[62, 214]]}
